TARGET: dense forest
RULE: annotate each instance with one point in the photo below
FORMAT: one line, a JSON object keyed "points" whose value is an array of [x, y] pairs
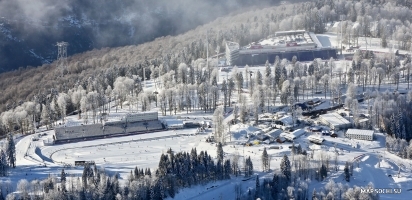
{"points": [[29, 30]]}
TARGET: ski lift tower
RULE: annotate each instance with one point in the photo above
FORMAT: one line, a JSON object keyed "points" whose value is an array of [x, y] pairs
{"points": [[62, 56]]}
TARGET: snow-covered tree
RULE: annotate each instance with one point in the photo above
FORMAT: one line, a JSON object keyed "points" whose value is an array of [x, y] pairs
{"points": [[287, 91], [21, 118], [230, 87], [380, 73], [77, 96], [62, 101], [8, 120], [93, 103], [325, 83], [351, 91], [182, 73], [268, 76], [84, 106], [23, 188], [225, 94], [219, 126], [235, 163], [122, 87], [145, 101], [239, 82], [242, 108]]}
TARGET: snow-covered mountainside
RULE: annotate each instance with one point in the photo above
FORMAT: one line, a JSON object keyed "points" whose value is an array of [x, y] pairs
{"points": [[28, 37]]}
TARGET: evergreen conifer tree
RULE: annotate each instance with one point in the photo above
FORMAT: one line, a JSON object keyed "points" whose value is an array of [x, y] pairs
{"points": [[219, 170], [275, 186], [400, 125], [141, 173], [285, 167], [171, 189], [63, 176], [3, 163], [220, 153], [298, 149], [265, 160], [136, 172], [131, 176], [346, 172], [323, 172], [153, 192], [227, 169], [1, 195], [11, 151], [248, 167], [393, 126], [257, 192]]}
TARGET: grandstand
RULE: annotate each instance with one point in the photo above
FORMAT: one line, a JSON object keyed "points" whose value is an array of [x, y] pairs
{"points": [[77, 132], [285, 44], [128, 125]]}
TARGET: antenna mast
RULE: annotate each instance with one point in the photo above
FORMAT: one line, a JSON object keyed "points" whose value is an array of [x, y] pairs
{"points": [[62, 56]]}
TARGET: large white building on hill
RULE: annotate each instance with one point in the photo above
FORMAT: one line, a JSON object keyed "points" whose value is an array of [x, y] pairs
{"points": [[360, 134], [283, 44]]}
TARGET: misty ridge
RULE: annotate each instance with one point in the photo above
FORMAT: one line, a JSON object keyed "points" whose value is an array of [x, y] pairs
{"points": [[29, 29]]}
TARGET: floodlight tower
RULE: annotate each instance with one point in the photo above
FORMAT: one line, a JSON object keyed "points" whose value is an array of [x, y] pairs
{"points": [[62, 56]]}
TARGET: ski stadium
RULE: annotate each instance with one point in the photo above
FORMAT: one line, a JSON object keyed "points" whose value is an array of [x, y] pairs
{"points": [[136, 123], [285, 44]]}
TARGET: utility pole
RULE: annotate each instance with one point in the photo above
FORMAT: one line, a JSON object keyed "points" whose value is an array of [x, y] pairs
{"points": [[217, 59], [207, 52], [207, 67], [410, 65], [144, 78], [342, 17]]}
